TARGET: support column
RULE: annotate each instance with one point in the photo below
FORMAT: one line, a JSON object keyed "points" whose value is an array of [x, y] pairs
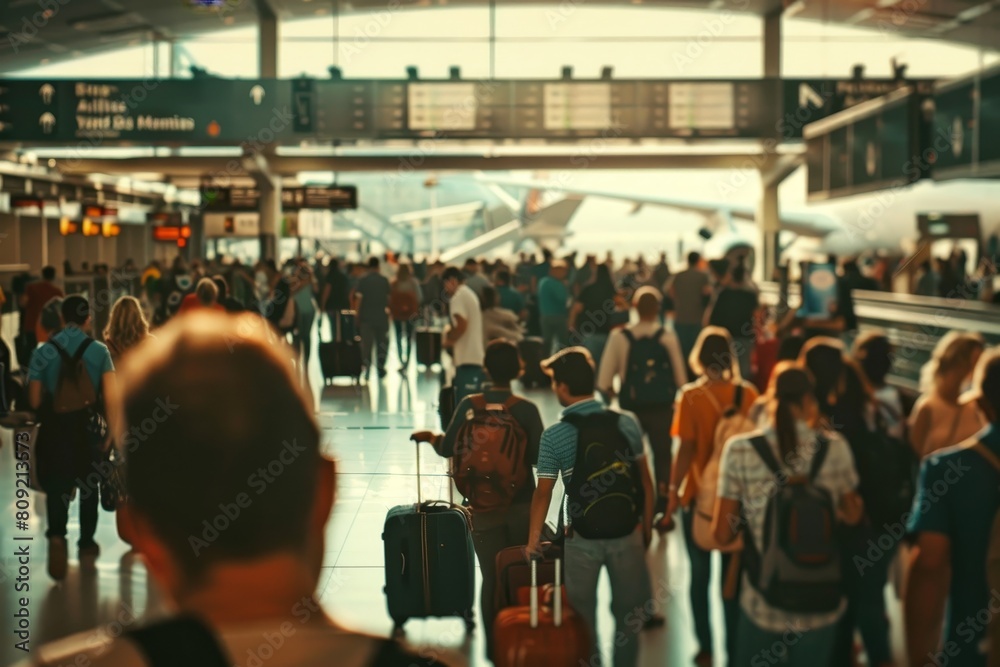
{"points": [[769, 221], [768, 211], [267, 41], [270, 219], [771, 41], [197, 240], [175, 56]]}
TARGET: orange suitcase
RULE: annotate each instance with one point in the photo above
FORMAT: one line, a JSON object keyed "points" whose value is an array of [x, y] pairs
{"points": [[539, 636]]}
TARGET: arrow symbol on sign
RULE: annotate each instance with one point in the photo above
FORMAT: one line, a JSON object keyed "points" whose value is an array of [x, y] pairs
{"points": [[47, 91], [257, 93], [808, 96], [47, 121]]}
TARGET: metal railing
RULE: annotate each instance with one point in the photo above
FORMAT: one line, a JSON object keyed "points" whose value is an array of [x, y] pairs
{"points": [[914, 324]]}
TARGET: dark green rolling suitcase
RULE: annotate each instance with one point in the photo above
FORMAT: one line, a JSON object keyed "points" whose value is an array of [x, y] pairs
{"points": [[429, 561]]}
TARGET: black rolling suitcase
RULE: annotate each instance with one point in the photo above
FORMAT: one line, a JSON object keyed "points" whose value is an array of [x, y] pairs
{"points": [[428, 342], [341, 357], [429, 561], [532, 351]]}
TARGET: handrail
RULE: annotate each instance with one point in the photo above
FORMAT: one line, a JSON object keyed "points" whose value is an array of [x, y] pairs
{"points": [[914, 324]]}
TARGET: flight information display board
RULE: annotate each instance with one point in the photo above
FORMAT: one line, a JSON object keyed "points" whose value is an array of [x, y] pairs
{"points": [[320, 197], [561, 109], [877, 145], [966, 124], [254, 112]]}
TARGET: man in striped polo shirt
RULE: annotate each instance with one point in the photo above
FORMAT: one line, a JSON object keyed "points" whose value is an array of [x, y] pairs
{"points": [[609, 501]]}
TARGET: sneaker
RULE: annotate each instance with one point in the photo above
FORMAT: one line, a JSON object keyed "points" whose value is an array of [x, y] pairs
{"points": [[57, 558], [91, 550]]}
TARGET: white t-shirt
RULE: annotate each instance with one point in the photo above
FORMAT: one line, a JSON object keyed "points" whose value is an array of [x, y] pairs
{"points": [[614, 361], [469, 349], [298, 645]]}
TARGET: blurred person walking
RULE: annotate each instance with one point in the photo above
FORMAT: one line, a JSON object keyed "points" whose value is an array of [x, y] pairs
{"points": [[942, 417]]}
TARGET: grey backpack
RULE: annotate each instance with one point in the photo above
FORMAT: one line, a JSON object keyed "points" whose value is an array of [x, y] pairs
{"points": [[798, 566]]}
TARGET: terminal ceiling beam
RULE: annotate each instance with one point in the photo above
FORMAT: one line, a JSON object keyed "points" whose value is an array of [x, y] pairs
{"points": [[292, 165]]}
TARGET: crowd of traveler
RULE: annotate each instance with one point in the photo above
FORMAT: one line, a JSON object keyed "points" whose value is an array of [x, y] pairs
{"points": [[803, 470]]}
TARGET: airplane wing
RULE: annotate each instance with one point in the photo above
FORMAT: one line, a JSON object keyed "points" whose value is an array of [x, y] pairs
{"points": [[803, 224]]}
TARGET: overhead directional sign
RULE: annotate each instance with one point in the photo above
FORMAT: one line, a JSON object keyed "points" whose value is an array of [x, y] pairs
{"points": [[876, 145], [809, 100], [255, 112], [124, 111], [966, 126], [320, 197], [207, 111]]}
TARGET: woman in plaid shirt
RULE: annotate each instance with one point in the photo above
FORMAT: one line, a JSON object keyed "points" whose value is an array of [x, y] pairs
{"points": [[768, 635]]}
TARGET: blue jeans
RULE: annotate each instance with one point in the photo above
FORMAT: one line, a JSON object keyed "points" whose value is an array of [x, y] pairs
{"points": [[866, 608], [469, 379], [374, 336], [555, 332], [792, 648], [687, 336], [701, 581], [625, 558], [404, 334], [595, 343]]}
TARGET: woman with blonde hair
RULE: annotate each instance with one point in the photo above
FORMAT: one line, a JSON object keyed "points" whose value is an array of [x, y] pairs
{"points": [[127, 326], [700, 407], [940, 417]]}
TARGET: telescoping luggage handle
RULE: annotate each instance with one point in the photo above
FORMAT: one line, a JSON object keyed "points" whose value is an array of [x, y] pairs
{"points": [[556, 595], [420, 499]]}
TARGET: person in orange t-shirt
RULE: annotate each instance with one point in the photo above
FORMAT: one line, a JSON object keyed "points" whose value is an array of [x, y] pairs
{"points": [[205, 295], [699, 410]]}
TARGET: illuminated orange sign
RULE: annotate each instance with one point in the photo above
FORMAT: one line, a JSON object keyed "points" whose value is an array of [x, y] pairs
{"points": [[171, 233], [90, 228], [67, 227]]}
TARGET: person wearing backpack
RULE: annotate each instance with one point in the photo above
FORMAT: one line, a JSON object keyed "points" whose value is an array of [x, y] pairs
{"points": [[785, 489], [404, 306], [706, 414], [952, 532], [846, 404], [70, 379], [646, 357], [248, 593], [493, 443], [609, 502]]}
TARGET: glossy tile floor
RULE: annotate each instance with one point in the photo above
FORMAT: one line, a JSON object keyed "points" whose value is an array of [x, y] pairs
{"points": [[367, 429]]}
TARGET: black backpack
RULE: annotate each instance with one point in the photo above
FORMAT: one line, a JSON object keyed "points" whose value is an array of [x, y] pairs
{"points": [[649, 379], [887, 469], [186, 640], [604, 498]]}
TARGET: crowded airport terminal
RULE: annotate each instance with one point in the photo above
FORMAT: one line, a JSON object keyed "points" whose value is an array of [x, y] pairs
{"points": [[459, 333]]}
